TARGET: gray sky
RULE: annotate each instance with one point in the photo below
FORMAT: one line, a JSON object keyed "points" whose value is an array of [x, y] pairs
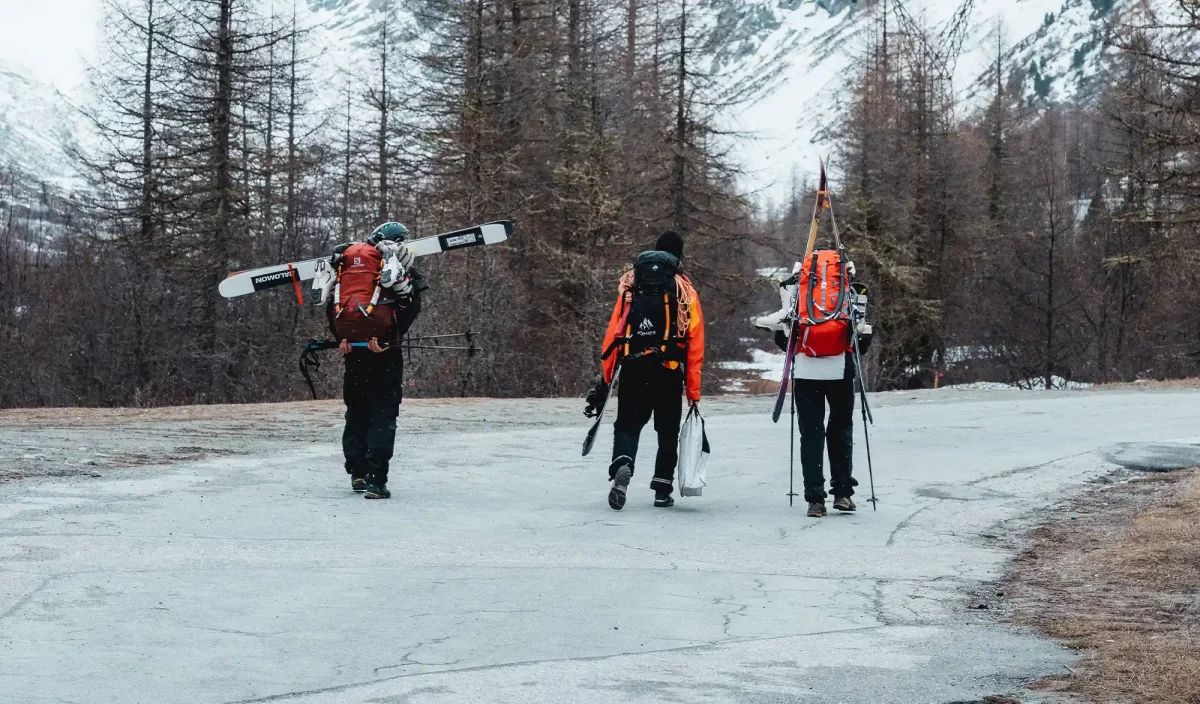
{"points": [[49, 37]]}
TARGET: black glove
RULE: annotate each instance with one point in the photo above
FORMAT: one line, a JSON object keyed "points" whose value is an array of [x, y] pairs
{"points": [[596, 398]]}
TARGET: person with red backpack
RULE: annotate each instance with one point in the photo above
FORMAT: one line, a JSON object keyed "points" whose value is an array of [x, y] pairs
{"points": [[655, 338], [823, 370], [375, 299]]}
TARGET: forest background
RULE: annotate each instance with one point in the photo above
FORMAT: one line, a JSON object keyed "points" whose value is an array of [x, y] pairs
{"points": [[1014, 238]]}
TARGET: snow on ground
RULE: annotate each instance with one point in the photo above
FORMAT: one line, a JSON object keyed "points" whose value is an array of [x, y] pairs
{"points": [[1034, 384], [774, 272], [767, 366], [498, 573]]}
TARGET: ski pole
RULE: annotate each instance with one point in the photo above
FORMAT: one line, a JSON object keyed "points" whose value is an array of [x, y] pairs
{"points": [[870, 471], [792, 450], [438, 347], [867, 417], [469, 333]]}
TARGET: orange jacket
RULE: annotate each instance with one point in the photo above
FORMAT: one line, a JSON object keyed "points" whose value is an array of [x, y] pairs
{"points": [[689, 311]]}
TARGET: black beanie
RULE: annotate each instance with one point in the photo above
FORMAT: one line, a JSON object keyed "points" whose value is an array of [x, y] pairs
{"points": [[671, 242]]}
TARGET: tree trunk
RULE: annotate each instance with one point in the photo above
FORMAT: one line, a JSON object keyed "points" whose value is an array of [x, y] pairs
{"points": [[223, 196], [678, 180], [290, 215]]}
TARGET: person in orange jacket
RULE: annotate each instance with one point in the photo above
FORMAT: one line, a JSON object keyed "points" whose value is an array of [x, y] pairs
{"points": [[656, 336]]}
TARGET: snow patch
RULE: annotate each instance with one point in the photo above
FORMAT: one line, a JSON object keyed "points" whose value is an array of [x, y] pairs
{"points": [[1038, 384], [769, 365], [774, 272]]}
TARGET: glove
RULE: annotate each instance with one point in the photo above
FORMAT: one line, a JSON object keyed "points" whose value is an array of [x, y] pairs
{"points": [[596, 398], [863, 328], [850, 269]]}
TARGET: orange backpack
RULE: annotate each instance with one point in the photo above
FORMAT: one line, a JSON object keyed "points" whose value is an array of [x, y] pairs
{"points": [[358, 314], [824, 306]]}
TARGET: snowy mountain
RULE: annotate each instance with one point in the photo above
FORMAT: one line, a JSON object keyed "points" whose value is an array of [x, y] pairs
{"points": [[36, 126], [792, 58], [797, 56]]}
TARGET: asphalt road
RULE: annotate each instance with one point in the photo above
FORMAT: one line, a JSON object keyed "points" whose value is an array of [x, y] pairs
{"points": [[498, 573]]}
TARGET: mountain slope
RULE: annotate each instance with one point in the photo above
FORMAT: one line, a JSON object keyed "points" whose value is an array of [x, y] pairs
{"points": [[805, 53], [791, 59], [36, 125]]}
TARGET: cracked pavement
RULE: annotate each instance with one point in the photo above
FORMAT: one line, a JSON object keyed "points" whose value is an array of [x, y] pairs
{"points": [[497, 572]]}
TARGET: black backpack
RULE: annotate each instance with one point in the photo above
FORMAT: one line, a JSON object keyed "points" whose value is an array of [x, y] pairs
{"points": [[651, 323]]}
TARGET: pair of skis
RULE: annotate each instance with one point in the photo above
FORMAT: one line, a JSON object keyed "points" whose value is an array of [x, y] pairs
{"points": [[241, 283], [823, 202]]}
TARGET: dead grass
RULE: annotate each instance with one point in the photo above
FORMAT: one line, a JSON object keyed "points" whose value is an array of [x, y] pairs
{"points": [[1121, 583], [1191, 383]]}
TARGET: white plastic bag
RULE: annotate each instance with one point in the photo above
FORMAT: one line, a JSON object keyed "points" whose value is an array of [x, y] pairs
{"points": [[692, 469]]}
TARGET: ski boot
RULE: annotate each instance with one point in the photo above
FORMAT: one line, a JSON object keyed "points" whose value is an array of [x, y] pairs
{"points": [[781, 319], [816, 509], [621, 475], [377, 490], [844, 503], [663, 500], [358, 484]]}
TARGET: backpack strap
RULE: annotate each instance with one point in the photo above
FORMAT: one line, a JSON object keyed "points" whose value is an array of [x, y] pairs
{"points": [[337, 290]]}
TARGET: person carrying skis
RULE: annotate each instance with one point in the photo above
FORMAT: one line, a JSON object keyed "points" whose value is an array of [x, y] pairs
{"points": [[817, 380], [376, 298], [655, 337]]}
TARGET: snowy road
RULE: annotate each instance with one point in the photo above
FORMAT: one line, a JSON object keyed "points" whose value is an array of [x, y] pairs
{"points": [[499, 574]]}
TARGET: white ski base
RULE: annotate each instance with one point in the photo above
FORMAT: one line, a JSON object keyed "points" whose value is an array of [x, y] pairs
{"points": [[241, 283]]}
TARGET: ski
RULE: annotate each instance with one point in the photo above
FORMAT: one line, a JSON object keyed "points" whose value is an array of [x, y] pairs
{"points": [[786, 382], [592, 432], [784, 385], [241, 283]]}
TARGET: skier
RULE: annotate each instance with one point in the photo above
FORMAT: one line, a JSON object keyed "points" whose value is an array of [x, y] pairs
{"points": [[815, 382], [656, 337], [376, 300]]}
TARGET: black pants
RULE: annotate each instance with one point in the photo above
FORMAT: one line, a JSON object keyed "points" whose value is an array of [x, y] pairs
{"points": [[811, 397], [647, 388], [372, 388]]}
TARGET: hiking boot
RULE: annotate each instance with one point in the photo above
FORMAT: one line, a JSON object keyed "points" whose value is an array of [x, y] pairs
{"points": [[844, 503], [816, 509], [377, 491], [358, 483], [616, 495], [662, 500]]}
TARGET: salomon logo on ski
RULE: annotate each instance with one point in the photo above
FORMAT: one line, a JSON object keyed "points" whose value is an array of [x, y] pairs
{"points": [[268, 280]]}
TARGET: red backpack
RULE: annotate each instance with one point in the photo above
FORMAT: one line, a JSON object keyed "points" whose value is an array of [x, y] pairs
{"points": [[824, 306], [358, 313]]}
